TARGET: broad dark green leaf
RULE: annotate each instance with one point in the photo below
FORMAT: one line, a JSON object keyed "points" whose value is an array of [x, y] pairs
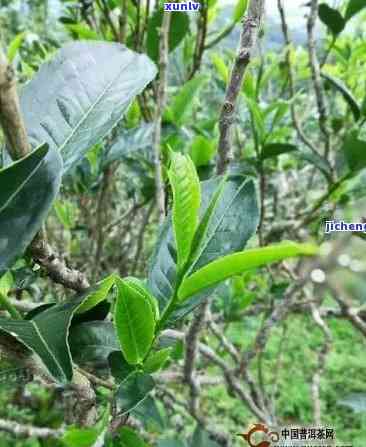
{"points": [[89, 87], [186, 189], [232, 222], [331, 18], [120, 369], [132, 391], [130, 439], [182, 102], [238, 263], [275, 149], [92, 342], [354, 150], [27, 190], [134, 319], [179, 28], [156, 360], [354, 7], [46, 334], [150, 414], [346, 93]]}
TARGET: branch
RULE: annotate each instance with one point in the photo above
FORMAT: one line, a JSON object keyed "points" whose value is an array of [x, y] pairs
{"points": [[248, 38], [315, 72], [28, 431], [291, 80], [12, 123], [161, 99], [191, 341]]}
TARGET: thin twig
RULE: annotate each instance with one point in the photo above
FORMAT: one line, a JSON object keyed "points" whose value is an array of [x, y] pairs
{"points": [[161, 99], [315, 73]]}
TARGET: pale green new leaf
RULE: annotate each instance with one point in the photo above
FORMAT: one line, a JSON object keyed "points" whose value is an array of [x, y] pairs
{"points": [[238, 263], [186, 203], [240, 9], [182, 102], [134, 320]]}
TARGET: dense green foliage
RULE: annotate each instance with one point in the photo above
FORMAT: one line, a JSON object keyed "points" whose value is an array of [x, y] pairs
{"points": [[143, 328]]}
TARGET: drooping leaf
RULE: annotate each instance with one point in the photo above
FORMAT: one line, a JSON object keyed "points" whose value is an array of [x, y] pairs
{"points": [[120, 369], [129, 438], [257, 118], [181, 104], [156, 360], [316, 160], [240, 9], [346, 93], [134, 320], [186, 203], [46, 334], [89, 87], [27, 190], [238, 263], [354, 7], [354, 150], [133, 390], [202, 150], [274, 149], [179, 28], [92, 342], [331, 18]]}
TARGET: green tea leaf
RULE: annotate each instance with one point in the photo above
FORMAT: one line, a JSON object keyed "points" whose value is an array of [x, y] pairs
{"points": [[92, 342], [240, 9], [237, 263], [15, 45], [346, 93], [354, 7], [157, 360], [134, 321], [331, 18], [181, 104], [82, 103], [132, 391], [120, 369], [179, 28], [27, 190], [275, 149], [186, 203], [202, 150], [130, 439], [354, 150]]}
